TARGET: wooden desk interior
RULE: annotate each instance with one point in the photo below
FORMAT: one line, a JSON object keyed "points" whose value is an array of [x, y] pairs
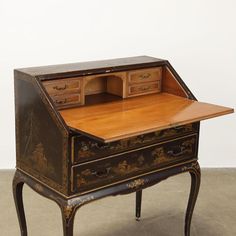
{"points": [[138, 115]]}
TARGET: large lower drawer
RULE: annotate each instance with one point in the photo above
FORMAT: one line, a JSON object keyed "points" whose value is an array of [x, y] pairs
{"points": [[98, 174], [86, 149]]}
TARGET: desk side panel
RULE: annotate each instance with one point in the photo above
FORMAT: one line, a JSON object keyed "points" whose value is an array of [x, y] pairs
{"points": [[41, 139]]}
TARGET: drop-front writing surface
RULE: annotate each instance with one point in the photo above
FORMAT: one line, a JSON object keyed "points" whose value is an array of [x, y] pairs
{"points": [[122, 119]]}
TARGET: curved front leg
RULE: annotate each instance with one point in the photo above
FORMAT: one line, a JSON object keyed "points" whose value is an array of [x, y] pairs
{"points": [[17, 187], [195, 173], [68, 214], [68, 207]]}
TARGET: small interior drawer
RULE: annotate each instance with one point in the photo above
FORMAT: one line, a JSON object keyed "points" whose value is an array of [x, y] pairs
{"points": [[67, 99], [62, 86], [146, 75], [144, 88], [97, 174]]}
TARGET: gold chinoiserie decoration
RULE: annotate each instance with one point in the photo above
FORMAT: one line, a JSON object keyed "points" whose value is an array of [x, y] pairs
{"points": [[137, 162], [89, 148], [136, 183]]}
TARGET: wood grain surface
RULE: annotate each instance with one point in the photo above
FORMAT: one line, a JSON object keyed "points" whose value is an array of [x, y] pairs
{"points": [[134, 116]]}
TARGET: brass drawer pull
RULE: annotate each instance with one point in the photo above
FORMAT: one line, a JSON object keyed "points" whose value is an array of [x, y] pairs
{"points": [[102, 173], [60, 88], [61, 101], [177, 151], [145, 88], [144, 76]]}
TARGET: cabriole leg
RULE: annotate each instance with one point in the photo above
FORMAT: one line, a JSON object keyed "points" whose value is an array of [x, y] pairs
{"points": [[68, 215], [195, 185], [17, 187], [68, 207]]}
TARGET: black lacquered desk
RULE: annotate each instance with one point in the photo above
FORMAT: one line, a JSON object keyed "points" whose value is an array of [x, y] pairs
{"points": [[89, 130]]}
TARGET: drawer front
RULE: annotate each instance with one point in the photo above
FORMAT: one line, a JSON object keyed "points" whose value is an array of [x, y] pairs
{"points": [[64, 86], [147, 75], [96, 174], [67, 100], [86, 149], [144, 88]]}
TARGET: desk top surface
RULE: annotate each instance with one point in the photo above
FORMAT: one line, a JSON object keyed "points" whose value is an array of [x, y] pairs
{"points": [[134, 116], [90, 67]]}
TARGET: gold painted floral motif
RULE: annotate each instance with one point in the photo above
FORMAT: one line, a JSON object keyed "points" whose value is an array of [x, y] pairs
{"points": [[194, 165], [67, 211], [136, 183]]}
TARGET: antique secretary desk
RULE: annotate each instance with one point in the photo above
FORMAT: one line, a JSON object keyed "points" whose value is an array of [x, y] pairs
{"points": [[89, 130]]}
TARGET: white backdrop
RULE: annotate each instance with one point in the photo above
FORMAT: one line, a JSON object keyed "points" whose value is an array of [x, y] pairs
{"points": [[197, 37]]}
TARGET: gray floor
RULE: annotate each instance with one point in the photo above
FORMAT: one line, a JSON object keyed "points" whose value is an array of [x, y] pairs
{"points": [[162, 215]]}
